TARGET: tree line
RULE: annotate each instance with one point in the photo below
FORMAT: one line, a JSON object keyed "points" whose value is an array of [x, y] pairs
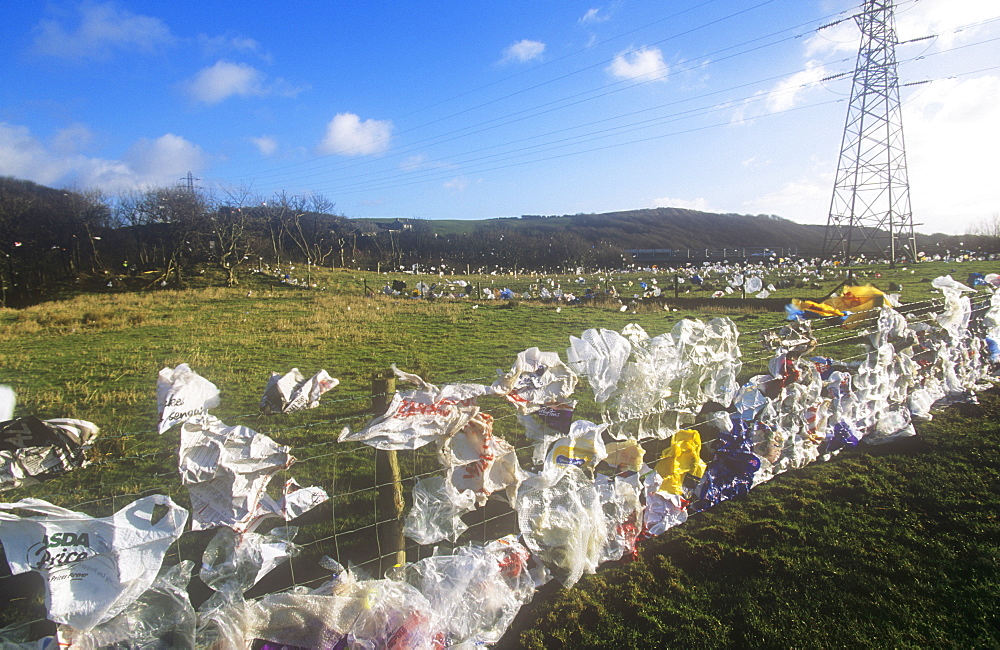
{"points": [[50, 237]]}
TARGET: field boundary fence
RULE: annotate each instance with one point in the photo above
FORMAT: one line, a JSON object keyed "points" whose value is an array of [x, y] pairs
{"points": [[788, 396]]}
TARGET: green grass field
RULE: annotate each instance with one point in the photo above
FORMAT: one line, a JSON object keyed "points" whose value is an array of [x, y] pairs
{"points": [[96, 357]]}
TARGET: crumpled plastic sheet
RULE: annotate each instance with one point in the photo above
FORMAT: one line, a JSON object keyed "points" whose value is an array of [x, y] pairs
{"points": [[419, 416], [680, 371], [478, 461], [162, 617], [622, 516], [730, 472], [600, 356], [8, 400], [562, 521], [624, 455], [181, 393], [535, 380], [33, 450], [663, 511], [293, 392], [344, 613], [679, 461], [235, 562], [93, 568], [436, 513], [583, 447], [547, 424], [476, 590], [227, 470]]}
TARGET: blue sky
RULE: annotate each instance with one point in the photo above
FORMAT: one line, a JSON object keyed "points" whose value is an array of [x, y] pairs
{"points": [[450, 110]]}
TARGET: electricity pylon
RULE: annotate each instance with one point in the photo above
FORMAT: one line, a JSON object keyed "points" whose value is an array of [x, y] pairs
{"points": [[870, 209]]}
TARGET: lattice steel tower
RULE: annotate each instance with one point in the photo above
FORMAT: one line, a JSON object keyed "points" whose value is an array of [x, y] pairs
{"points": [[870, 209]]}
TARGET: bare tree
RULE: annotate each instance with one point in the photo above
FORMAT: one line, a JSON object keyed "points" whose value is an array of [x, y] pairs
{"points": [[230, 231]]}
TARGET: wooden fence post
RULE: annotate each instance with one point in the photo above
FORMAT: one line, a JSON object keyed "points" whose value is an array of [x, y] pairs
{"points": [[389, 484]]}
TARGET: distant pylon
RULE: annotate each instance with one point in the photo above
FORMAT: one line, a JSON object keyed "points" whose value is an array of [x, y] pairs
{"points": [[870, 209], [189, 182]]}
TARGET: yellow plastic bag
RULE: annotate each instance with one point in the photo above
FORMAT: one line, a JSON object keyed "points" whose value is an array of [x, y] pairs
{"points": [[682, 457]]}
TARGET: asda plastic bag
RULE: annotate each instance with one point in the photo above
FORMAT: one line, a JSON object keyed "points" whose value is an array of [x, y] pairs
{"points": [[420, 416], [92, 568], [293, 392], [436, 514], [181, 393], [162, 617], [536, 379]]}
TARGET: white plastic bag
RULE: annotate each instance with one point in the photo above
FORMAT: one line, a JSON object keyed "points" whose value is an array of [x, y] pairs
{"points": [[417, 417], [436, 514], [600, 356], [93, 568], [293, 392], [181, 393], [536, 379], [227, 470]]}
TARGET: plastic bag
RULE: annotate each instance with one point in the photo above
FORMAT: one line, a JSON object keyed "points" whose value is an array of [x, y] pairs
{"points": [[600, 356], [436, 514], [663, 510], [162, 617], [181, 393], [227, 470], [536, 379], [730, 472], [583, 447], [417, 417], [622, 516], [293, 392], [481, 462], [476, 591], [681, 459], [235, 562], [562, 522], [93, 568], [33, 450]]}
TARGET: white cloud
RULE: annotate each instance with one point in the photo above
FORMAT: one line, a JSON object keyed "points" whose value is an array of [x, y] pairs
{"points": [[593, 16], [645, 64], [164, 160], [265, 144], [806, 200], [103, 28], [929, 17], [224, 79], [72, 139], [149, 162], [685, 204], [951, 145], [785, 93], [523, 51], [348, 135], [215, 45], [457, 184]]}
